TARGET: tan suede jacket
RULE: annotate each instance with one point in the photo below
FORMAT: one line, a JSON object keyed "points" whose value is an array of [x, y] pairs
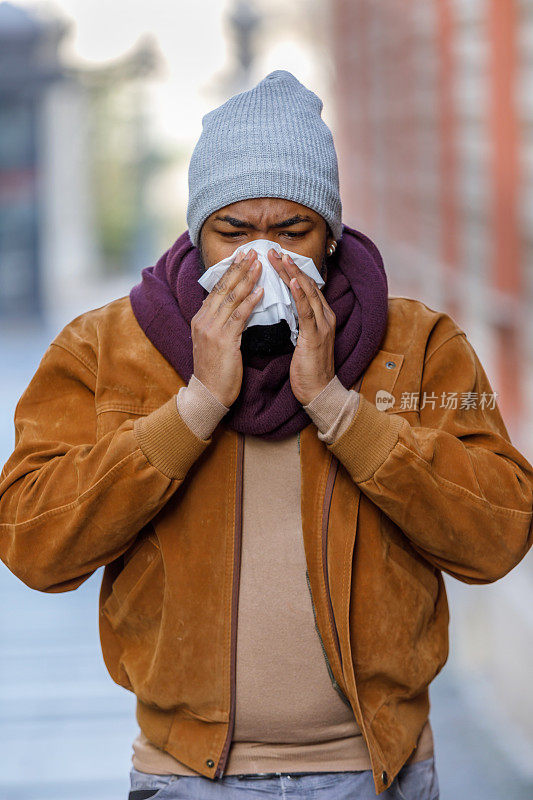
{"points": [[106, 472]]}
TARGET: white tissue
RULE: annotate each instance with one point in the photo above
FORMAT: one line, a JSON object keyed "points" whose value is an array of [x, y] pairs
{"points": [[277, 302]]}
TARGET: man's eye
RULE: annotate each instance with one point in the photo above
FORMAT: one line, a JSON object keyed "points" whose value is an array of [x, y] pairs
{"points": [[289, 234]]}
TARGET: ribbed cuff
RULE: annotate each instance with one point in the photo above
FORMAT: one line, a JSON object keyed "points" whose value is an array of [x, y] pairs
{"points": [[328, 410], [368, 440], [167, 441], [199, 407]]}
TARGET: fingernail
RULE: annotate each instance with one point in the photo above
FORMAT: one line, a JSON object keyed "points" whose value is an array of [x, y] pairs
{"points": [[239, 257], [275, 253]]}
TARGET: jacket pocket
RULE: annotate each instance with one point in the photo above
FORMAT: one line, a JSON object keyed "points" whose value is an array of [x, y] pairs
{"points": [[137, 592], [110, 416], [401, 553]]}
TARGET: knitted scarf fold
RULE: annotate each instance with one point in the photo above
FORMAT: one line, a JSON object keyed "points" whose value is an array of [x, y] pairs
{"points": [[169, 295]]}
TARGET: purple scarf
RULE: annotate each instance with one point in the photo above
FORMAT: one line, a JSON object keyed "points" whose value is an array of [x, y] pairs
{"points": [[169, 295]]}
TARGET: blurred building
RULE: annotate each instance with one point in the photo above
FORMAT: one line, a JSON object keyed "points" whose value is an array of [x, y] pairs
{"points": [[264, 35], [28, 68], [75, 162], [434, 128], [435, 132]]}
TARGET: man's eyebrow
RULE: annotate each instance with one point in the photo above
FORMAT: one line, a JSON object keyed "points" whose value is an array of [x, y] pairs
{"points": [[239, 223], [291, 221]]}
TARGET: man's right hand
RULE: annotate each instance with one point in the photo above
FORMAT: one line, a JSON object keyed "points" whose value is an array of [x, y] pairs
{"points": [[217, 326]]}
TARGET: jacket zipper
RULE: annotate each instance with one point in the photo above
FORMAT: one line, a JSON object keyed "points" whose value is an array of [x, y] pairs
{"points": [[234, 602], [325, 519], [328, 665], [332, 474], [333, 467]]}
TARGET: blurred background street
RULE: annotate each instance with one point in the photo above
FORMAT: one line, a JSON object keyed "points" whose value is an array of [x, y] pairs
{"points": [[431, 107]]}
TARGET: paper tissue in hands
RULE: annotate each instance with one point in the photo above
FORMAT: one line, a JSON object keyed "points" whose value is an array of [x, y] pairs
{"points": [[277, 302]]}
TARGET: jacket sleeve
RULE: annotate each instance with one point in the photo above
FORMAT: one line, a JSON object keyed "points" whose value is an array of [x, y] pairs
{"points": [[454, 484], [69, 503]]}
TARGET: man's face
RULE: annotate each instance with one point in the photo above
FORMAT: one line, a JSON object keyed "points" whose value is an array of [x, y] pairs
{"points": [[292, 225]]}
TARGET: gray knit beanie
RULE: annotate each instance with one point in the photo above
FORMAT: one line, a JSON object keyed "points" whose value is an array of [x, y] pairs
{"points": [[267, 142]]}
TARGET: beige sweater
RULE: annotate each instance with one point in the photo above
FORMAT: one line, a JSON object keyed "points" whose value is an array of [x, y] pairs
{"points": [[288, 716]]}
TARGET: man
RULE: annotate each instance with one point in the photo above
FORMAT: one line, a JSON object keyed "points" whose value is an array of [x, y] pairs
{"points": [[273, 519]]}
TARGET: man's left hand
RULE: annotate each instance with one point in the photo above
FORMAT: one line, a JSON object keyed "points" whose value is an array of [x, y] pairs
{"points": [[312, 365]]}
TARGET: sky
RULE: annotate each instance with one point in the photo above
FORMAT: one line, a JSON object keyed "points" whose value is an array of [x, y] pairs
{"points": [[190, 36], [194, 43]]}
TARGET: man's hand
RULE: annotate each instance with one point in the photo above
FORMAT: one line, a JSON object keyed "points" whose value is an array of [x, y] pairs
{"points": [[312, 365], [217, 326]]}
